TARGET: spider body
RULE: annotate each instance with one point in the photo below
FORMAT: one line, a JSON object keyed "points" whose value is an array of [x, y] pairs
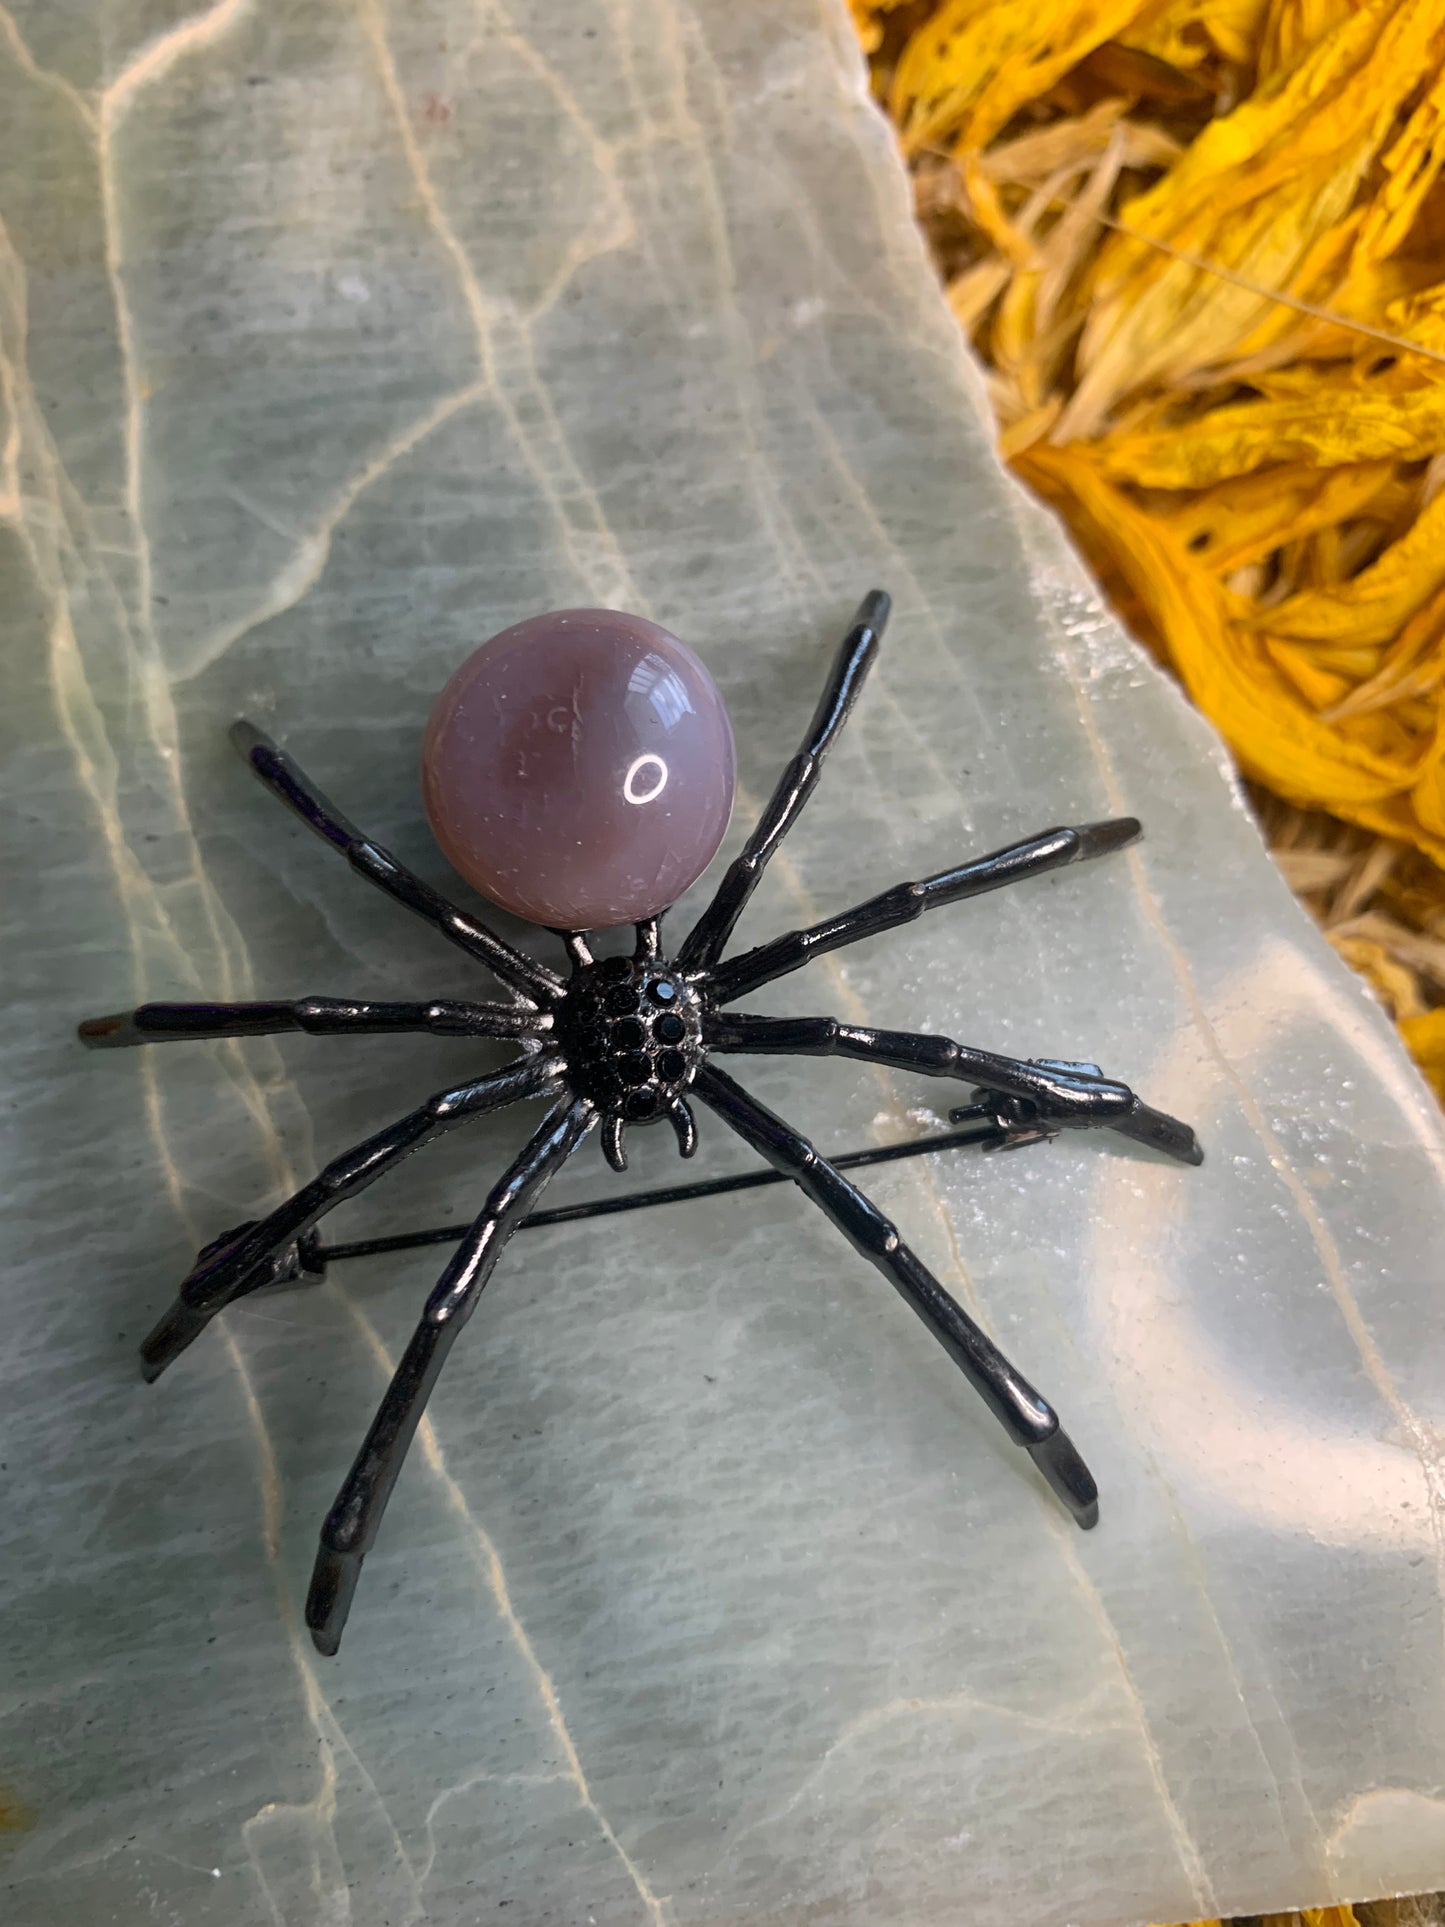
{"points": [[631, 1033], [625, 1040]]}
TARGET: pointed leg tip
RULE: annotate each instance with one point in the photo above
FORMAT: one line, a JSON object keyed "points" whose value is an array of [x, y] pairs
{"points": [[614, 1142], [246, 737], [1162, 1133], [685, 1126], [161, 1350], [158, 1350], [168, 1338], [1067, 1477], [328, 1599], [104, 1033], [875, 608], [1099, 839]]}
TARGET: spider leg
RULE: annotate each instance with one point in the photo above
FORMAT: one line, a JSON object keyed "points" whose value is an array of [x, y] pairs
{"points": [[649, 940], [614, 1132], [1027, 1418], [1035, 854], [685, 1125], [232, 1266], [1046, 1094], [352, 1523], [295, 789], [707, 939], [321, 1016], [579, 947]]}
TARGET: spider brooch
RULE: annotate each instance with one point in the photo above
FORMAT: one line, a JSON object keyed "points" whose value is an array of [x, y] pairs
{"points": [[578, 770]]}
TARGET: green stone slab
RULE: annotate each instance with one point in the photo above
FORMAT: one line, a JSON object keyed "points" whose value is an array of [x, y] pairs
{"points": [[334, 339]]}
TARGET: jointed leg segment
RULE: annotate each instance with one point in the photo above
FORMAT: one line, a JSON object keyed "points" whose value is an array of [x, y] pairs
{"points": [[1046, 1092], [320, 1016], [708, 938], [284, 779], [1028, 1419], [352, 1523], [229, 1270], [1035, 855], [1033, 1097]]}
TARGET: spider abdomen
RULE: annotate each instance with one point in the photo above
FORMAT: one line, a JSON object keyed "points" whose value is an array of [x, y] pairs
{"points": [[579, 770], [631, 1031]]}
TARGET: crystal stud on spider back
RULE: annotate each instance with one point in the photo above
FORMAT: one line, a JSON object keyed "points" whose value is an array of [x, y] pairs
{"points": [[578, 770]]}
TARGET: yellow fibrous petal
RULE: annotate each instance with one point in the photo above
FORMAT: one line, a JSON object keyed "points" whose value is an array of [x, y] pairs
{"points": [[1425, 1040], [1032, 158], [1254, 193], [1200, 246], [1392, 983], [1409, 168], [1325, 424], [1228, 667], [1290, 27], [1374, 605], [968, 71], [1242, 519], [1187, 31], [1413, 665]]}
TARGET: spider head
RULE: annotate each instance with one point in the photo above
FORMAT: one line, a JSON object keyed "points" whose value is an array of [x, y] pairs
{"points": [[631, 1031]]}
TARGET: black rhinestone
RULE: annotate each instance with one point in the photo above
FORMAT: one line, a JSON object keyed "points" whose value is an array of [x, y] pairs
{"points": [[671, 1065], [615, 969], [662, 990], [636, 1069], [629, 1034], [621, 1000], [640, 1104], [669, 1028]]}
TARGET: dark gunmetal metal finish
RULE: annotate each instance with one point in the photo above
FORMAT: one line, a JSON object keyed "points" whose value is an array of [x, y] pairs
{"points": [[351, 1525], [628, 1041], [1043, 1096], [231, 1268], [685, 1126], [905, 901], [1028, 1419], [320, 1016], [579, 951], [282, 777], [986, 1137], [707, 939], [613, 1148]]}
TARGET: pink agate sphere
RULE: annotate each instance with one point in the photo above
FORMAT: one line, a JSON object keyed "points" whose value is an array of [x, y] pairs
{"points": [[578, 769]]}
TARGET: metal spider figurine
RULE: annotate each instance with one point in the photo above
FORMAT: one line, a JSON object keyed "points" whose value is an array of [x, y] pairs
{"points": [[544, 757]]}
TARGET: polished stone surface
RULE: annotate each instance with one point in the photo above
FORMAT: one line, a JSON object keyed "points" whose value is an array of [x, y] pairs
{"points": [[579, 769], [335, 337]]}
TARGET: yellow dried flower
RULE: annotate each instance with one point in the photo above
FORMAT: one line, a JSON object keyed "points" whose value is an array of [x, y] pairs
{"points": [[1201, 246]]}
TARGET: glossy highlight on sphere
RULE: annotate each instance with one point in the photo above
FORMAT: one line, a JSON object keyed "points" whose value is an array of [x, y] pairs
{"points": [[578, 769]]}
